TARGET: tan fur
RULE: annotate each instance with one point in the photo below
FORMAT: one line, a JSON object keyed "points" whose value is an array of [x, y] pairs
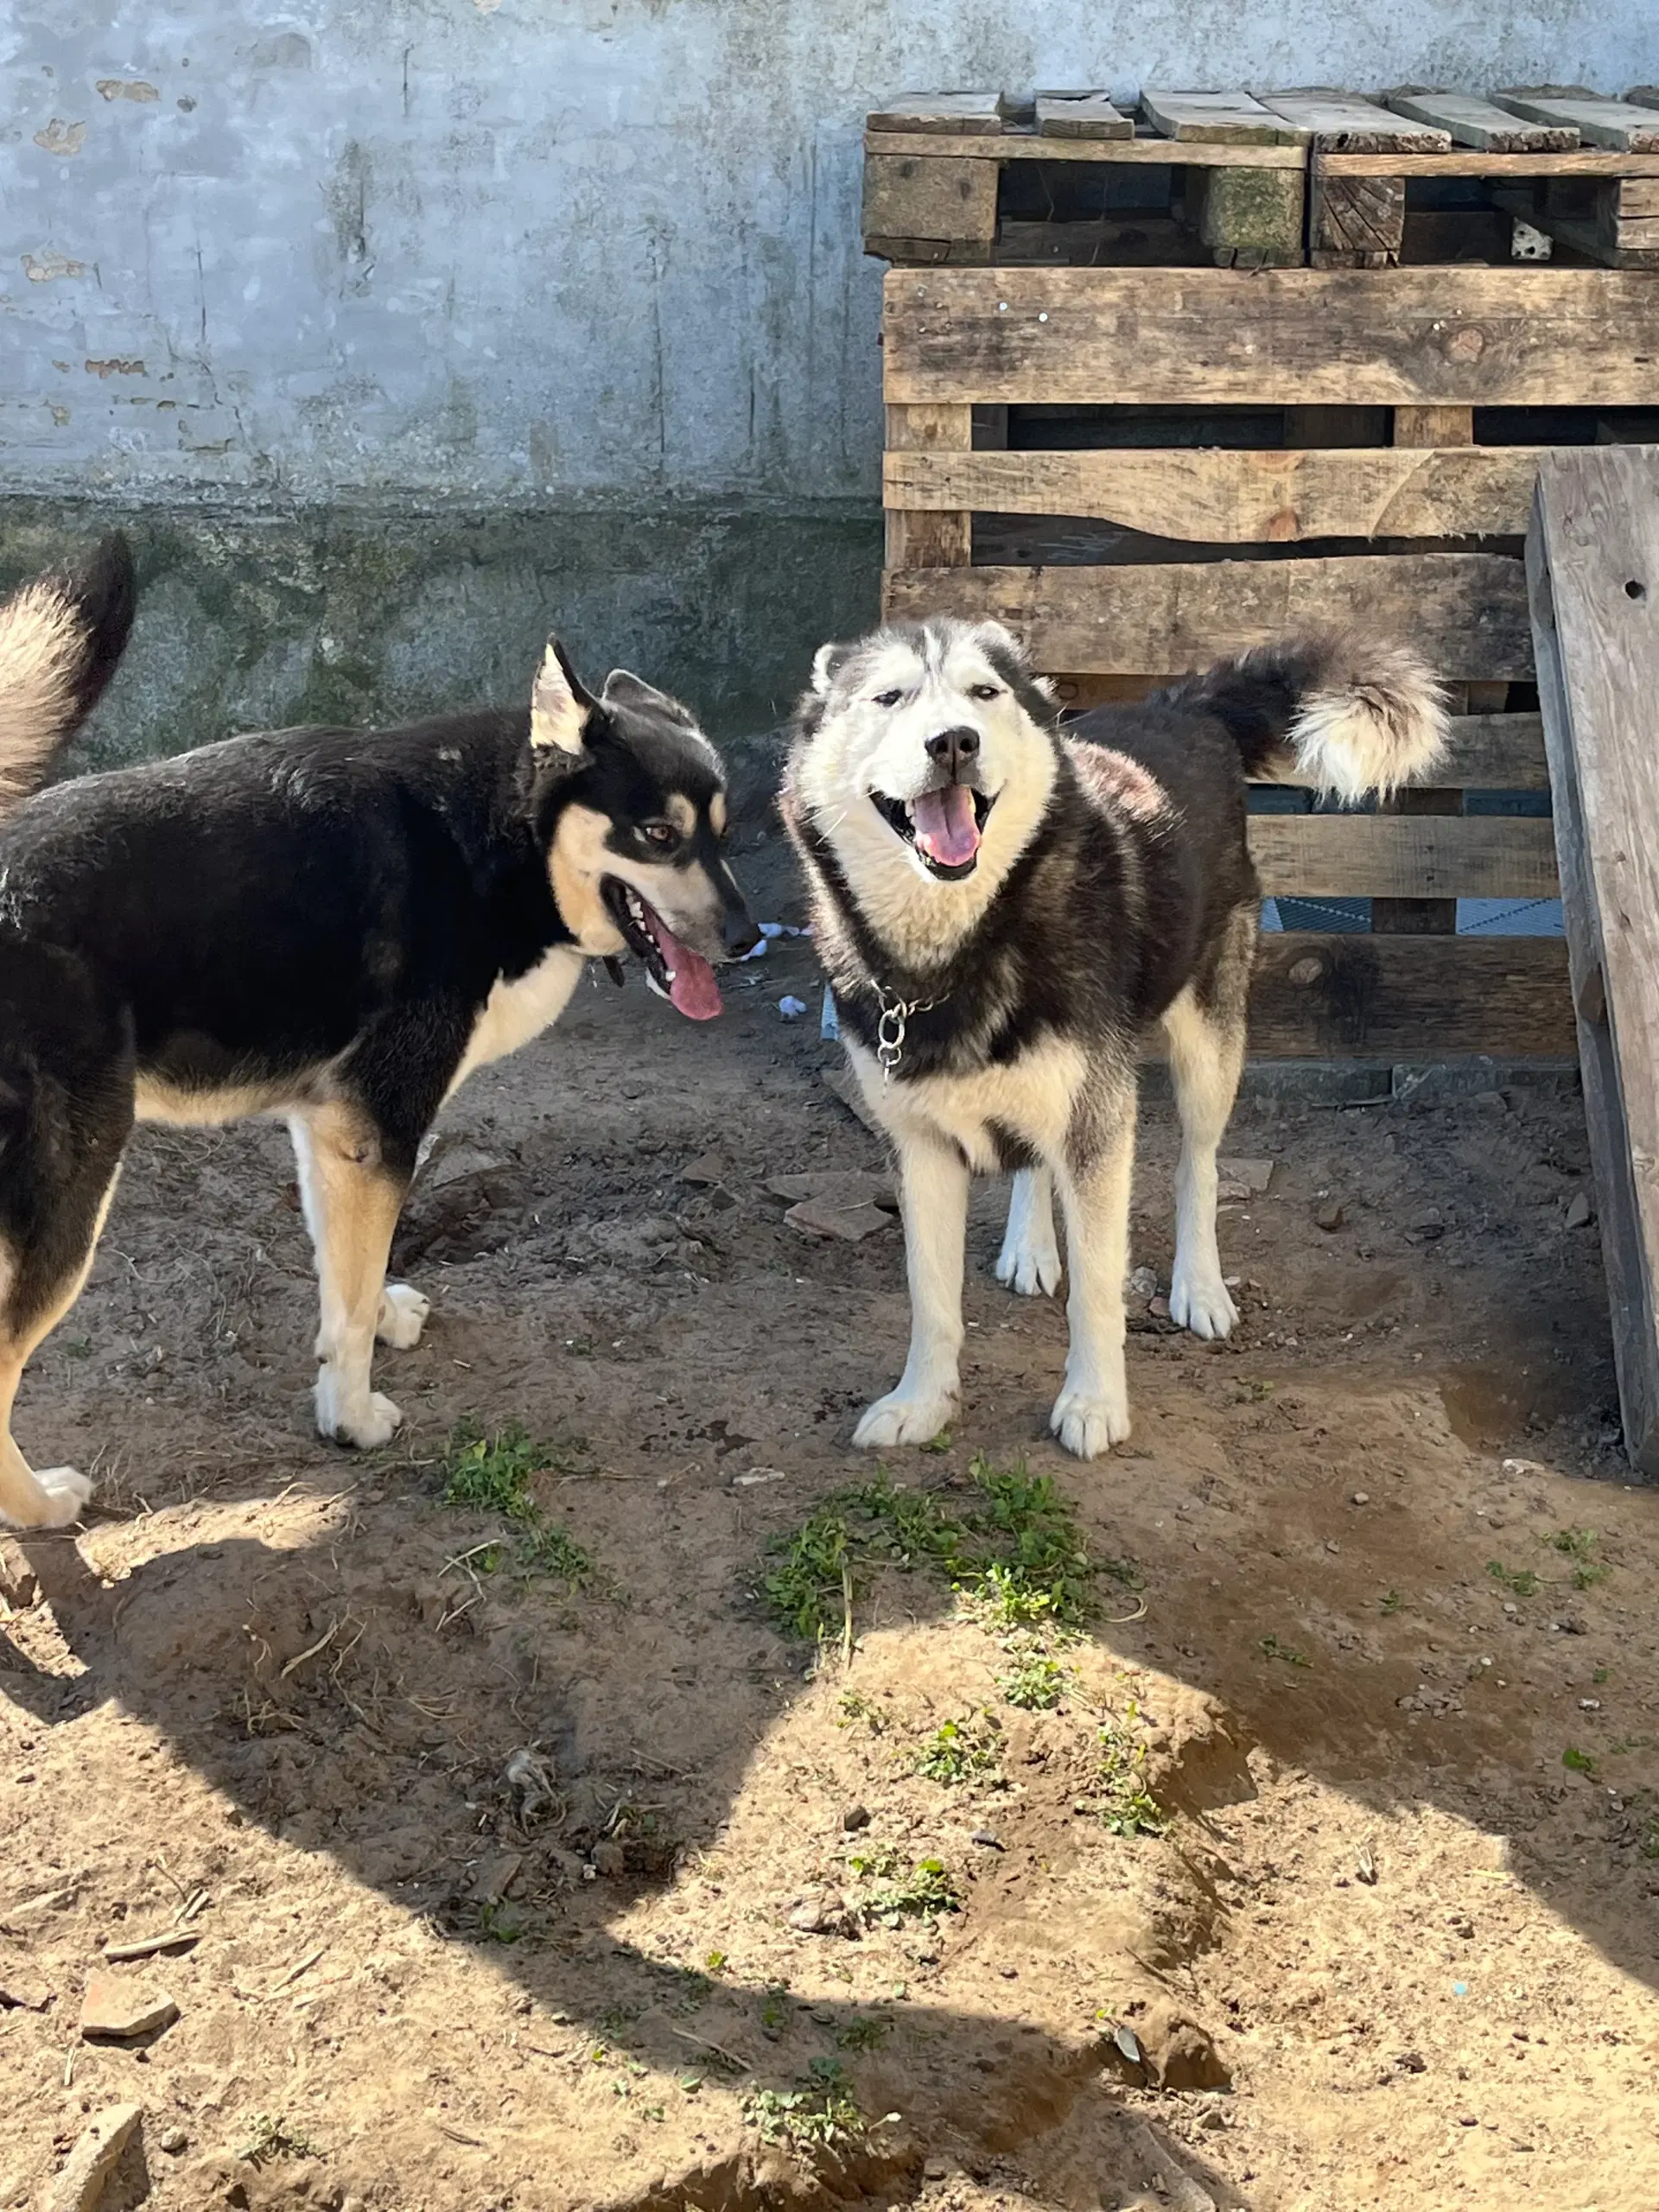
{"points": [[718, 814], [156, 1101], [516, 1012], [1114, 781], [577, 859], [557, 717], [40, 645], [681, 812], [351, 1205], [54, 1497]]}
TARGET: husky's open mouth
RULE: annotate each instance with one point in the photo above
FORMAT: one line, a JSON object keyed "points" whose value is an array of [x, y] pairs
{"points": [[945, 827], [672, 969]]}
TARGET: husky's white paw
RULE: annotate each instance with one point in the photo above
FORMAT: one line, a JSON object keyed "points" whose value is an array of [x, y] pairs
{"points": [[364, 1418], [1203, 1303], [899, 1419], [402, 1316], [1031, 1268], [65, 1492], [1088, 1424]]}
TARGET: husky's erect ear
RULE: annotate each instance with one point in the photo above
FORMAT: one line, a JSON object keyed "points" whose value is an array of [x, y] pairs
{"points": [[624, 689], [992, 637], [559, 708], [827, 662]]}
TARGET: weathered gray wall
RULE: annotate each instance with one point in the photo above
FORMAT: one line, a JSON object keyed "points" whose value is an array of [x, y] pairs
{"points": [[538, 258]]}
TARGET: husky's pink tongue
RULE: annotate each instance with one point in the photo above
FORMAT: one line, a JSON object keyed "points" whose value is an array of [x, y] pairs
{"points": [[695, 989], [945, 828]]}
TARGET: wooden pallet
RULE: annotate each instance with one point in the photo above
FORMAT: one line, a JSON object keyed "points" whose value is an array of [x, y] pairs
{"points": [[1592, 559], [1276, 180]]}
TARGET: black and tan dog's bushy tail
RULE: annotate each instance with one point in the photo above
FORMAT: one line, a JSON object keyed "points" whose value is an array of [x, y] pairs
{"points": [[1353, 716], [61, 637]]}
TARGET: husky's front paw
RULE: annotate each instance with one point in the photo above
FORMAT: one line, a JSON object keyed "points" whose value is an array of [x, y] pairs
{"points": [[1087, 1424], [63, 1494], [402, 1316], [1029, 1266], [1203, 1303], [897, 1419], [364, 1419]]}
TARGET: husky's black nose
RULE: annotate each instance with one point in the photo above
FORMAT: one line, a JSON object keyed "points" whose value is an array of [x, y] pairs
{"points": [[954, 748]]}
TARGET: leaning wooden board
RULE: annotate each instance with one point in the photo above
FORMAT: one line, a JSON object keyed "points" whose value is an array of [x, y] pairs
{"points": [[1592, 562]]}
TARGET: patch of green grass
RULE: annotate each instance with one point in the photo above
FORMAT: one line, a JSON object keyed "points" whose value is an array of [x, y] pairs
{"points": [[1578, 1762], [1125, 1805], [926, 1888], [1271, 1648], [497, 1922], [1579, 1546], [961, 1751], [1602, 1674], [821, 2114], [853, 1705], [1389, 1602], [492, 1474], [1649, 1845], [1035, 1683], [1011, 1548], [1521, 1580], [271, 2137], [774, 2009], [715, 1961], [866, 2031]]}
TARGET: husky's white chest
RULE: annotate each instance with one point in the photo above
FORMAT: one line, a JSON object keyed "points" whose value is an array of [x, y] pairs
{"points": [[516, 1012], [1031, 1097]]}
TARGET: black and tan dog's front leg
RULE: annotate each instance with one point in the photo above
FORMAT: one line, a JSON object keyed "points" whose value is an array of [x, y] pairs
{"points": [[353, 1183]]}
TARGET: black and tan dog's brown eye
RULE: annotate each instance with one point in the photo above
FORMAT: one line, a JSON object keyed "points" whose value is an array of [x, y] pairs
{"points": [[985, 690], [660, 833]]}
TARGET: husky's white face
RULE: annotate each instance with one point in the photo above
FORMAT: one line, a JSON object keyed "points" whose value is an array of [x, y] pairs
{"points": [[926, 772]]}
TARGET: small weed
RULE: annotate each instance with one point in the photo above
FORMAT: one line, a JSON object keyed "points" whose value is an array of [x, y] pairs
{"points": [[1389, 1602], [492, 1474], [1035, 1684], [497, 1922], [863, 2032], [79, 1348], [716, 1962], [1602, 1674], [1578, 1762], [691, 1989], [271, 2137], [1124, 1803], [1271, 1648], [821, 2114], [958, 1751], [774, 2010], [1521, 1580], [1252, 1394], [854, 1705], [1579, 1546], [927, 1889], [942, 1442], [1649, 1846]]}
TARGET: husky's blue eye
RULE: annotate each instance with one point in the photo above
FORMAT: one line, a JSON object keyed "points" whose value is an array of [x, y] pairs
{"points": [[888, 698]]}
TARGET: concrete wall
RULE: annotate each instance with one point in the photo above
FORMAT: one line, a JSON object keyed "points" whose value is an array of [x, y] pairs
{"points": [[541, 257]]}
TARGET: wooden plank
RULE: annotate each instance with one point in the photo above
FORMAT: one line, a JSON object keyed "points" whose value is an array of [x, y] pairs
{"points": [[1026, 146], [1584, 164], [1593, 229], [1421, 428], [1355, 222], [908, 197], [1213, 496], [1483, 124], [1467, 612], [1403, 856], [1616, 124], [1219, 118], [1342, 120], [938, 539], [1351, 997], [1592, 561], [1636, 195], [1466, 336], [1081, 115], [954, 114]]}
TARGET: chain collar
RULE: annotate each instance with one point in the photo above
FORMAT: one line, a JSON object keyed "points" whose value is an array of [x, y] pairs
{"points": [[896, 1013]]}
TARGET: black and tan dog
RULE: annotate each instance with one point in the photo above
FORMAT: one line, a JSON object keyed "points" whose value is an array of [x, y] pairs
{"points": [[333, 926], [1006, 909]]}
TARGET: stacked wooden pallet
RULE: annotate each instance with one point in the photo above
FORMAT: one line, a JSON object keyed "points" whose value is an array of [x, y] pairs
{"points": [[1146, 462]]}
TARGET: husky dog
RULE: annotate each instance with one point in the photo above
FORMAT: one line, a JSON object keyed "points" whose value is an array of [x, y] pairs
{"points": [[333, 925], [1006, 908]]}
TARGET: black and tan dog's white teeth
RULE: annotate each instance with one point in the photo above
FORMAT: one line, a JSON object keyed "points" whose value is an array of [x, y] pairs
{"points": [[642, 916]]}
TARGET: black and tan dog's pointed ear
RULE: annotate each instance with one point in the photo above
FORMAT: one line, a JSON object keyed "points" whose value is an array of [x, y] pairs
{"points": [[624, 689], [559, 708]]}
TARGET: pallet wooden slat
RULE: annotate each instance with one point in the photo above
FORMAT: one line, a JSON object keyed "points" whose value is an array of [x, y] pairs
{"points": [[1081, 115], [936, 539], [1340, 997], [1467, 612], [1592, 559], [1483, 124], [1218, 496], [1403, 856], [1355, 222], [942, 114], [1026, 146], [1466, 336], [1242, 218], [1585, 163], [1613, 123], [1219, 118]]}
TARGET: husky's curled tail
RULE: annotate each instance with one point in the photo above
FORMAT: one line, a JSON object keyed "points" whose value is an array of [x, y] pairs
{"points": [[1351, 715], [61, 637]]}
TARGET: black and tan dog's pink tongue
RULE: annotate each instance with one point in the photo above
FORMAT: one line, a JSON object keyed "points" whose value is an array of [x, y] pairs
{"points": [[695, 988], [945, 828]]}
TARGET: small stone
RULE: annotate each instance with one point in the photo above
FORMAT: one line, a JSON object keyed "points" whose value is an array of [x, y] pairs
{"points": [[855, 1818], [1328, 1215], [1254, 1174], [817, 1218], [1143, 1283], [123, 2010], [703, 1172], [25, 1996], [1362, 1497], [19, 1586], [1578, 1211], [1158, 1309], [984, 1837], [609, 1858], [1429, 1224], [496, 1876], [173, 2140], [825, 1914], [79, 2183]]}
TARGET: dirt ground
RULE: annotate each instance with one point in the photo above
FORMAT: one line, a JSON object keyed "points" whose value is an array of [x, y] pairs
{"points": [[1384, 1657]]}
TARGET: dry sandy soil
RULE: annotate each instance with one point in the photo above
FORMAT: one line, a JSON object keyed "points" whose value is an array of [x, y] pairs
{"points": [[1394, 1945]]}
